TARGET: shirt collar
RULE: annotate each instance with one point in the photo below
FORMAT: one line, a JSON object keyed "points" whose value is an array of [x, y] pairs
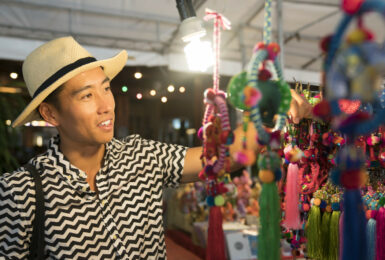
{"points": [[74, 175]]}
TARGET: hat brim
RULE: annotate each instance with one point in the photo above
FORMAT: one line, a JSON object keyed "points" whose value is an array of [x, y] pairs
{"points": [[111, 67]]}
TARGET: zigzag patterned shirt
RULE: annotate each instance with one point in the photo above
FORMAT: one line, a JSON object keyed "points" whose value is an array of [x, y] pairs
{"points": [[122, 221]]}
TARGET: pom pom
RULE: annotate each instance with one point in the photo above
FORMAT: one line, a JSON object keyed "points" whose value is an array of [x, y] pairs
{"points": [[273, 50], [230, 138], [200, 133], [219, 200], [323, 204], [306, 207], [202, 175], [277, 174], [373, 140], [264, 75], [245, 157], [351, 6], [251, 96], [336, 206], [259, 46], [351, 179], [317, 202], [209, 96], [266, 176], [210, 201], [322, 110], [325, 43]]}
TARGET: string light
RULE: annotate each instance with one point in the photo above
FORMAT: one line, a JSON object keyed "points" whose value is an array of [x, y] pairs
{"points": [[152, 92], [8, 122], [138, 75], [139, 96], [13, 75], [124, 89], [163, 99], [170, 88], [182, 89]]}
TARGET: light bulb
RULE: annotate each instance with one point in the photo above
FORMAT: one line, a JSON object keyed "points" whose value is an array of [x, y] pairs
{"points": [[152, 92], [182, 89], [163, 99], [199, 55], [139, 96]]}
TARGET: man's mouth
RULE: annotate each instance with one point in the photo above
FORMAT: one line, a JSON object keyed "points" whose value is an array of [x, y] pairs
{"points": [[105, 123]]}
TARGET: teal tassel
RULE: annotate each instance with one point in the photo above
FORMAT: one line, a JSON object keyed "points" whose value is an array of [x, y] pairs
{"points": [[313, 233], [269, 233], [371, 238], [334, 235]]}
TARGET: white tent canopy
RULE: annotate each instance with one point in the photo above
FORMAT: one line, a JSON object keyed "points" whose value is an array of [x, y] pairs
{"points": [[148, 30]]}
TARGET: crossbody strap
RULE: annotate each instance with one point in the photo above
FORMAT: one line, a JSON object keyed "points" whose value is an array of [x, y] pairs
{"points": [[37, 242]]}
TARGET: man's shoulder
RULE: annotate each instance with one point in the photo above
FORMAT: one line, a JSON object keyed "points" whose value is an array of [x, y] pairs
{"points": [[21, 175]]}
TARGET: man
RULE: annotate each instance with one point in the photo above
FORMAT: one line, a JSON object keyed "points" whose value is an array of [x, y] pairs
{"points": [[102, 196]]}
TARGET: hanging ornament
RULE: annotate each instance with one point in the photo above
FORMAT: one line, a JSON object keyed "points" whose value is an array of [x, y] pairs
{"points": [[217, 136], [353, 72]]}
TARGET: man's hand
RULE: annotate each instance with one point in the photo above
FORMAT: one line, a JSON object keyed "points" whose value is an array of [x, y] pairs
{"points": [[299, 107]]}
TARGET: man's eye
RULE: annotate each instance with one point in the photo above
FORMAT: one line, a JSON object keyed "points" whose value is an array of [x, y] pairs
{"points": [[108, 88], [87, 96]]}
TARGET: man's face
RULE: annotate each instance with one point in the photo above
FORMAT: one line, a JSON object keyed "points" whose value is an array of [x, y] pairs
{"points": [[86, 114]]}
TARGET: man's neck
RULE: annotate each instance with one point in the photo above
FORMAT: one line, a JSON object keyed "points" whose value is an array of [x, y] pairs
{"points": [[87, 158]]}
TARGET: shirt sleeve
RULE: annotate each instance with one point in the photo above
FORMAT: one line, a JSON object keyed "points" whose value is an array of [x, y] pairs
{"points": [[13, 238], [170, 158]]}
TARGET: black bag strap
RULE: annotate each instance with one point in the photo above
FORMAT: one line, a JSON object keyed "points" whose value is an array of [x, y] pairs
{"points": [[37, 241]]}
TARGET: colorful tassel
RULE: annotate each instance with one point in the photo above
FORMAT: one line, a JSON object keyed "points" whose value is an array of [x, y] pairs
{"points": [[215, 245], [334, 235], [354, 230], [341, 229], [313, 233], [371, 238], [379, 216], [292, 220], [269, 233], [325, 234]]}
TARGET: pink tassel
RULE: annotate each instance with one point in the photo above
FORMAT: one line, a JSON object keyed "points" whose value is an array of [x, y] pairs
{"points": [[292, 219]]}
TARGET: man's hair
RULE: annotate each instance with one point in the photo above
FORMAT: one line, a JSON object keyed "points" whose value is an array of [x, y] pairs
{"points": [[53, 99]]}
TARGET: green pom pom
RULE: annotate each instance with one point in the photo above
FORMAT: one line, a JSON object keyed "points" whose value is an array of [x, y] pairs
{"points": [[219, 200], [381, 202]]}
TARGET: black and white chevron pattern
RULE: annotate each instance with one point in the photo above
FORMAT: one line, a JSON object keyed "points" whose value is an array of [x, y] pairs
{"points": [[122, 221]]}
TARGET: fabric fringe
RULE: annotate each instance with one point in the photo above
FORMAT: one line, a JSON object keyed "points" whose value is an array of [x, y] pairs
{"points": [[354, 230], [269, 233], [313, 233], [325, 234], [292, 219], [371, 238], [215, 237], [334, 234]]}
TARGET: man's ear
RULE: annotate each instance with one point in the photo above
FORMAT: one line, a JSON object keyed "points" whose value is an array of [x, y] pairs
{"points": [[49, 113]]}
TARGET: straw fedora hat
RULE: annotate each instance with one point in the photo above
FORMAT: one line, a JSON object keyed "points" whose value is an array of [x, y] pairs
{"points": [[54, 63]]}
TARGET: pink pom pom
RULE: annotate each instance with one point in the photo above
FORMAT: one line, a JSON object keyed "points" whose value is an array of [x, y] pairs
{"points": [[200, 133], [251, 96]]}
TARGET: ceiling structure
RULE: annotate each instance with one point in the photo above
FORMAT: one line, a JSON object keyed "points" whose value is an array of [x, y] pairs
{"points": [[148, 30]]}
